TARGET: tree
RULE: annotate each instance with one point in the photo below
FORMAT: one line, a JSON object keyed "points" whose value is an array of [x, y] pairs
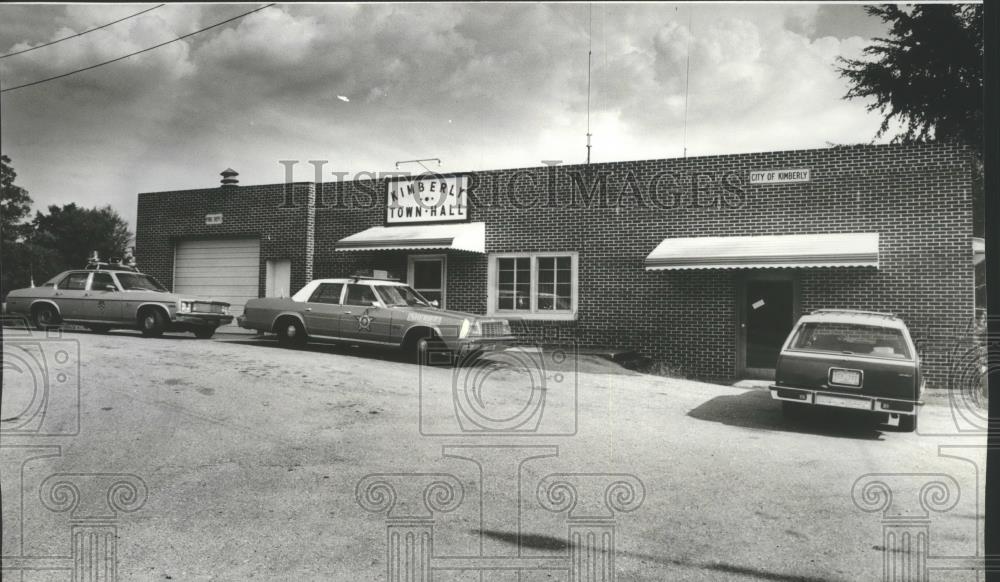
{"points": [[928, 75], [15, 204], [65, 237], [53, 242]]}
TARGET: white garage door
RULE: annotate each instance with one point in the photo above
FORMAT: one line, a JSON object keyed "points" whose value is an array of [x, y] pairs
{"points": [[221, 269]]}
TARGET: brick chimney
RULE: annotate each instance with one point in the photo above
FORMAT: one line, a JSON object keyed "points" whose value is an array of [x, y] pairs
{"points": [[229, 179]]}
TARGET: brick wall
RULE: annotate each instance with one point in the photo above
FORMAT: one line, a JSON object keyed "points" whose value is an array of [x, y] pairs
{"points": [[918, 197], [163, 218]]}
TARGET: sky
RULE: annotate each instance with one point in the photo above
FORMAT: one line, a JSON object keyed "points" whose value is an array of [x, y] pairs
{"points": [[479, 85]]}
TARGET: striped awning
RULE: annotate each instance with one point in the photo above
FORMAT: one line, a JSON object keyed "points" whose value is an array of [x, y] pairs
{"points": [[756, 252], [467, 236]]}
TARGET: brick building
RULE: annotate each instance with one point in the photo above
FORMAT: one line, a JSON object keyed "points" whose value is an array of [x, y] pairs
{"points": [[702, 262]]}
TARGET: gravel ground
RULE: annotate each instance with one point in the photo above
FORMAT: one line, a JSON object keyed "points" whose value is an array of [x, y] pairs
{"points": [[252, 456]]}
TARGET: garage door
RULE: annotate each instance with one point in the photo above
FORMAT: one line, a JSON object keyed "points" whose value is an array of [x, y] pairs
{"points": [[220, 269]]}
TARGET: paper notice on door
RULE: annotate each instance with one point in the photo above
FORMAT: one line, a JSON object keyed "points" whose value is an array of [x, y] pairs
{"points": [[757, 304]]}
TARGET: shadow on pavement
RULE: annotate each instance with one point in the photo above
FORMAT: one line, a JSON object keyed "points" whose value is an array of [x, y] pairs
{"points": [[570, 363], [534, 541], [340, 349], [123, 332], [544, 542], [756, 409]]}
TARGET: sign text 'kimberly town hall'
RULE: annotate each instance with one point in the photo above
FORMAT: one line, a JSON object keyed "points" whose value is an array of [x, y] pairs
{"points": [[427, 199]]}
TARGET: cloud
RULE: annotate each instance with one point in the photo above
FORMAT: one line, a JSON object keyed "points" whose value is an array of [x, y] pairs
{"points": [[752, 86], [124, 79], [478, 85]]}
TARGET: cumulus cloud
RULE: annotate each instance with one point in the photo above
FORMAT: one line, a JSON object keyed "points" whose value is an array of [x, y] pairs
{"points": [[478, 85]]}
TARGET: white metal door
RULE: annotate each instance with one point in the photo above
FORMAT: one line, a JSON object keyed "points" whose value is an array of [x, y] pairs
{"points": [[278, 279], [220, 269]]}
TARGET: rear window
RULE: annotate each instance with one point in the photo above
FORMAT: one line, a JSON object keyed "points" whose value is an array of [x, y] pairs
{"points": [[851, 338], [101, 281], [360, 295], [74, 282], [327, 293]]}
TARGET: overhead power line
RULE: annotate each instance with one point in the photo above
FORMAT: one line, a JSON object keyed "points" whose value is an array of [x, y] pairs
{"points": [[217, 24], [28, 50]]}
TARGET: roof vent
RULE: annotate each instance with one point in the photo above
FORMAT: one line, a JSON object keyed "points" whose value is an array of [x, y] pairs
{"points": [[229, 178]]}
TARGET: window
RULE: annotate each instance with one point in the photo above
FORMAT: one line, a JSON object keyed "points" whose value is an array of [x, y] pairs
{"points": [[849, 338], [74, 282], [555, 275], [514, 291], [397, 295], [138, 282], [54, 281], [533, 285], [427, 275], [360, 295], [327, 293], [102, 281]]}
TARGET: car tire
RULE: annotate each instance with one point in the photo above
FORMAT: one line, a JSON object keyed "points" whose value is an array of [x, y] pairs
{"points": [[45, 317], [152, 323], [204, 332], [427, 348], [290, 332], [907, 423], [99, 328], [793, 410]]}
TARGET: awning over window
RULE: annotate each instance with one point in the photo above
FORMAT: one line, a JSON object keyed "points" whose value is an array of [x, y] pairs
{"points": [[467, 236], [755, 252]]}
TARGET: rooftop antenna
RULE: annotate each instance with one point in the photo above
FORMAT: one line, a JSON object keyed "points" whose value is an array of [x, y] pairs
{"points": [[421, 162], [687, 81], [590, 52]]}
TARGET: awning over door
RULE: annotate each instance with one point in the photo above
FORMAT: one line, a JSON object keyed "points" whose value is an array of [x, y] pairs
{"points": [[756, 252], [468, 236]]}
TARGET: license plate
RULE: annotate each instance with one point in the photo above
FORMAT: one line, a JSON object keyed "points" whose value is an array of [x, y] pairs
{"points": [[845, 377], [843, 402]]}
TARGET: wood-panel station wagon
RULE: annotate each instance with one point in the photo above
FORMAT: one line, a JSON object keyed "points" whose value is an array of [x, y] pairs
{"points": [[851, 359]]}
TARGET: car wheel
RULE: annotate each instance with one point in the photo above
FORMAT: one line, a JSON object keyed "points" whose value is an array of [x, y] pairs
{"points": [[152, 323], [46, 317], [792, 410], [290, 332], [99, 328], [204, 332], [427, 348], [907, 423]]}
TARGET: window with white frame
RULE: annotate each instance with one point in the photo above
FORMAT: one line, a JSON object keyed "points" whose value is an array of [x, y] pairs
{"points": [[533, 285]]}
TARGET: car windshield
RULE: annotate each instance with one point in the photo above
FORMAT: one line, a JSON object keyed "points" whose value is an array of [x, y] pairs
{"points": [[401, 296], [54, 280], [851, 338], [137, 282]]}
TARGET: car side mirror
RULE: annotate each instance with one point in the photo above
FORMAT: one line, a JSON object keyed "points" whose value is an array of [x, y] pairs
{"points": [[435, 303], [374, 303], [110, 288]]}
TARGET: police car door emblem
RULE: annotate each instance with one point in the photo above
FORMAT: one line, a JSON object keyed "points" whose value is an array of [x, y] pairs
{"points": [[364, 321], [100, 305]]}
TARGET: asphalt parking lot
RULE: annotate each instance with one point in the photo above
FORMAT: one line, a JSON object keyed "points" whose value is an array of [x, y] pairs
{"points": [[251, 461]]}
